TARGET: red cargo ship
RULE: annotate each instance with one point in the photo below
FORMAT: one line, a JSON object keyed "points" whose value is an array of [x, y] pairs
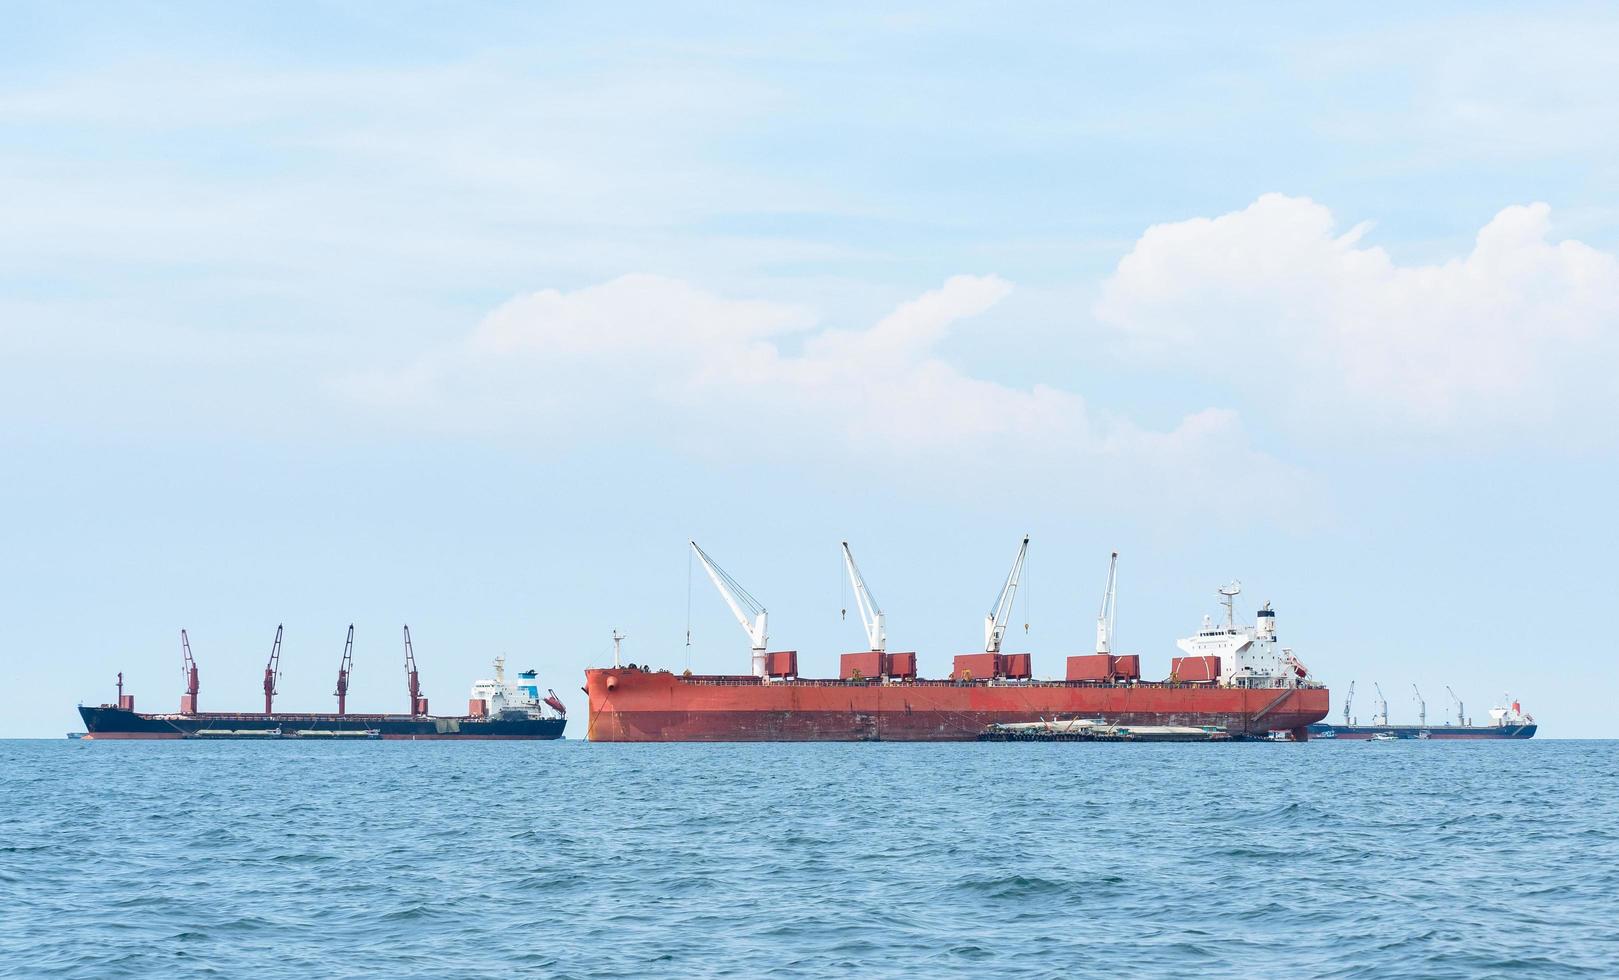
{"points": [[1234, 677]]}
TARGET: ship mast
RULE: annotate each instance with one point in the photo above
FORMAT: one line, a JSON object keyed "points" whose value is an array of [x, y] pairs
{"points": [[343, 669], [995, 622], [1228, 595], [188, 670], [747, 610], [871, 617], [1109, 610], [272, 670]]}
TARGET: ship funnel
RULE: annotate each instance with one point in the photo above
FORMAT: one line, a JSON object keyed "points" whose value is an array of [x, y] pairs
{"points": [[1267, 623]]}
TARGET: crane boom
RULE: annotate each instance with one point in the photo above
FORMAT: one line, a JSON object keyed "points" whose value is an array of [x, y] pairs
{"points": [[188, 670], [1349, 699], [1382, 706], [343, 669], [1461, 709], [1109, 611], [747, 610], [871, 617], [1422, 707], [995, 622], [413, 679], [272, 670]]}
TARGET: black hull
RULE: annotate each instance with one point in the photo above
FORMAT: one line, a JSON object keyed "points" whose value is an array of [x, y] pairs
{"points": [[1441, 732], [115, 723]]}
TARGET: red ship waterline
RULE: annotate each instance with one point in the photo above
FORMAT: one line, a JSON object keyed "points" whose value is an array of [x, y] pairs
{"points": [[1231, 676]]}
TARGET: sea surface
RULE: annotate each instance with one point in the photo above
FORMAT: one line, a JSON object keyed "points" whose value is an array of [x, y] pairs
{"points": [[503, 859]]}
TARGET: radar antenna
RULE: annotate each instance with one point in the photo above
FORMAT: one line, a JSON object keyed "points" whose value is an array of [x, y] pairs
{"points": [[1229, 594]]}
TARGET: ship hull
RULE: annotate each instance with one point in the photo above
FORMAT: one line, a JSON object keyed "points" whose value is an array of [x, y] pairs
{"points": [[116, 723], [640, 706], [1442, 732]]}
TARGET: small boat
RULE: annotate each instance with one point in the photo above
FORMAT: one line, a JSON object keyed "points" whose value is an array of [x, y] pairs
{"points": [[1385, 737]]}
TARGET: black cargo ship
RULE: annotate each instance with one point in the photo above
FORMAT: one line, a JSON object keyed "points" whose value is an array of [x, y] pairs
{"points": [[497, 709], [111, 721]]}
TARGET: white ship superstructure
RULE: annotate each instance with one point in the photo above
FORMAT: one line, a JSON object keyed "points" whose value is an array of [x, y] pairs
{"points": [[1250, 656], [500, 696]]}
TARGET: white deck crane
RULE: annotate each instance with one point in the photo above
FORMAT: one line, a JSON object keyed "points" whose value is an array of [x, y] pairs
{"points": [[871, 617], [1110, 608], [1349, 699], [1461, 710], [995, 622], [1382, 717], [1422, 707], [744, 607]]}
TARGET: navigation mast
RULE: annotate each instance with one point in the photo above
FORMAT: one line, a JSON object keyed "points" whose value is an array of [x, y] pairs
{"points": [[748, 611], [995, 622], [272, 670], [871, 617], [1109, 610], [343, 669], [1228, 595]]}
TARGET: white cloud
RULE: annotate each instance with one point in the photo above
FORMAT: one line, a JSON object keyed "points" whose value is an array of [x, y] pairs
{"points": [[1274, 297], [661, 360]]}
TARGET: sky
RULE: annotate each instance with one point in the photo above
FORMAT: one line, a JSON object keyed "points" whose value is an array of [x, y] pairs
{"points": [[470, 316]]}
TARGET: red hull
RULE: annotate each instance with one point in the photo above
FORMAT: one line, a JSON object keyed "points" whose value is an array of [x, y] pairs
{"points": [[628, 705]]}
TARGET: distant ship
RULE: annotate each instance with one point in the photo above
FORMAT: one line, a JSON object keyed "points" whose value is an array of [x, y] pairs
{"points": [[497, 709], [1235, 678], [1507, 720]]}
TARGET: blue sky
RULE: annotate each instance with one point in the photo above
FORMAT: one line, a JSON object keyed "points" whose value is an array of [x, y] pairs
{"points": [[469, 316]]}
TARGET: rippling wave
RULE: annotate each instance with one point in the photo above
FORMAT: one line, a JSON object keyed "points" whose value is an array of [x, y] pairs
{"points": [[384, 859]]}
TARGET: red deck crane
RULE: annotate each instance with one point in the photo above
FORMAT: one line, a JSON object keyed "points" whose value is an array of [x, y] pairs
{"points": [[188, 670], [272, 670], [418, 704], [343, 670]]}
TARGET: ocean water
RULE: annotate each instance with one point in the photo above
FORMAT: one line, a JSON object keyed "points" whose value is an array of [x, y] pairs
{"points": [[392, 859]]}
